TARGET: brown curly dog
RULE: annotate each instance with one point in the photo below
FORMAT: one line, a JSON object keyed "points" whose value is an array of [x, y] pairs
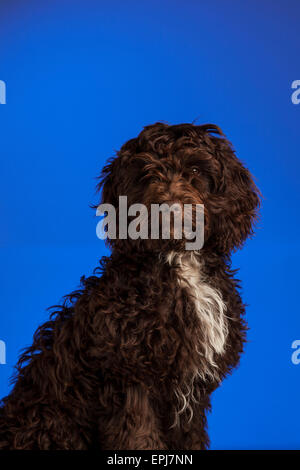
{"points": [[130, 360]]}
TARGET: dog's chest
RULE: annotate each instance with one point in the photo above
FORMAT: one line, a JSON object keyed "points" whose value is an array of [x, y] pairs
{"points": [[206, 301]]}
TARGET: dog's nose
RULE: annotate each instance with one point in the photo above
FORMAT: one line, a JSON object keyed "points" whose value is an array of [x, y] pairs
{"points": [[172, 202]]}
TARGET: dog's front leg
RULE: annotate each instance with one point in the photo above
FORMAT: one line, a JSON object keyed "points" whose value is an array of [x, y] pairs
{"points": [[135, 427]]}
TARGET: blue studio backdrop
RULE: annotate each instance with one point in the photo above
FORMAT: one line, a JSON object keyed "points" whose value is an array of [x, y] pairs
{"points": [[77, 79]]}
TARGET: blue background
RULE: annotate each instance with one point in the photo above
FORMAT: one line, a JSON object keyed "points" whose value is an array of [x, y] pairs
{"points": [[84, 76]]}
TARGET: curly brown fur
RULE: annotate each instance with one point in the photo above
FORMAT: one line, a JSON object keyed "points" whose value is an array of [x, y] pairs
{"points": [[130, 360]]}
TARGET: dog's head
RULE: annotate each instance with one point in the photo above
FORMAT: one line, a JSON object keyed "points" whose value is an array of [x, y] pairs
{"points": [[186, 164]]}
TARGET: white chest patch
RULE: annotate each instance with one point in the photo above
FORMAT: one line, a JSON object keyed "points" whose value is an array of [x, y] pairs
{"points": [[209, 306]]}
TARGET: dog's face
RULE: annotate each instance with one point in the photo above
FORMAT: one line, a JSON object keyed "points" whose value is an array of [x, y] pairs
{"points": [[186, 164]]}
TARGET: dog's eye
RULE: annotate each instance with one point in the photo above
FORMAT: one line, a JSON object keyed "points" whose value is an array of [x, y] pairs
{"points": [[195, 170]]}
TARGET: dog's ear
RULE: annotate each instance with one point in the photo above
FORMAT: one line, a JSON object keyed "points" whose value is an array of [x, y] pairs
{"points": [[108, 182], [234, 201], [114, 175]]}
